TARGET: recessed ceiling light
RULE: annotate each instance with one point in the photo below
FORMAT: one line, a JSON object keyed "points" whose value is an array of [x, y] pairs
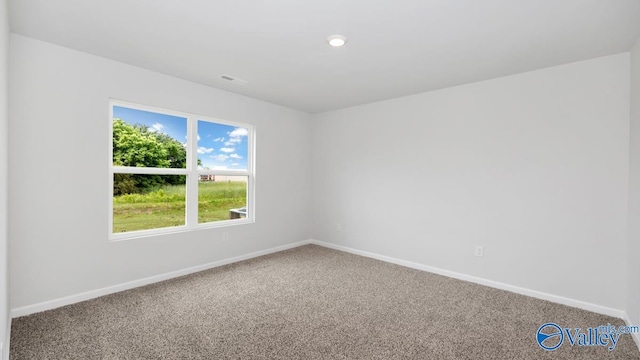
{"points": [[337, 40]]}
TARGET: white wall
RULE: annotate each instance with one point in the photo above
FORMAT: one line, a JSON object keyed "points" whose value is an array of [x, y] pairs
{"points": [[633, 298], [59, 176], [4, 123], [534, 167]]}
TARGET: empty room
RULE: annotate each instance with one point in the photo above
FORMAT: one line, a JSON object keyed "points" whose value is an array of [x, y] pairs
{"points": [[411, 179]]}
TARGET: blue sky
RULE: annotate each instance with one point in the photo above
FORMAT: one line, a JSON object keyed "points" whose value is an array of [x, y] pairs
{"points": [[219, 146]]}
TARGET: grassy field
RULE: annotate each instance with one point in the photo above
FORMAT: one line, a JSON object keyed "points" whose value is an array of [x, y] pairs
{"points": [[165, 207]]}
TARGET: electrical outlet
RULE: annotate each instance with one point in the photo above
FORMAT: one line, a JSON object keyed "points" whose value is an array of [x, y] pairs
{"points": [[479, 251], [225, 236]]}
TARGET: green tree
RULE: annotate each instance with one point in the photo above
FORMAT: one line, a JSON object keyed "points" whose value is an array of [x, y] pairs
{"points": [[136, 145], [123, 184]]}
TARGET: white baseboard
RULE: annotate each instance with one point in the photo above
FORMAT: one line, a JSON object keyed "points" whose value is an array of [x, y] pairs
{"points": [[72, 299], [494, 284], [635, 336]]}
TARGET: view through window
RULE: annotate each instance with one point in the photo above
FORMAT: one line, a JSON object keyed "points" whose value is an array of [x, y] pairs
{"points": [[172, 170]]}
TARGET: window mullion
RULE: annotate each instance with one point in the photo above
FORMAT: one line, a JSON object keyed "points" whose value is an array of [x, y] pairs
{"points": [[192, 166], [147, 170]]}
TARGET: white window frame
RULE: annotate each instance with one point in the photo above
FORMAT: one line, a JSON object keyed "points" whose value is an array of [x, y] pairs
{"points": [[191, 171]]}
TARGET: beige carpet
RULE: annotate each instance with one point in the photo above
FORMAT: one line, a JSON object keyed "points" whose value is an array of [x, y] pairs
{"points": [[307, 303]]}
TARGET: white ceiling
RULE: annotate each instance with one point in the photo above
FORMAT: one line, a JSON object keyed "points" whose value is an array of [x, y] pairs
{"points": [[395, 48]]}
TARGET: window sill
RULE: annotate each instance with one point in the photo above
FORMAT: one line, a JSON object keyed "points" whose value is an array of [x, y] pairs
{"points": [[176, 230]]}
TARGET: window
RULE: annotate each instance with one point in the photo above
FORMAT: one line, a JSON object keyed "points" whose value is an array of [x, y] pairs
{"points": [[173, 171]]}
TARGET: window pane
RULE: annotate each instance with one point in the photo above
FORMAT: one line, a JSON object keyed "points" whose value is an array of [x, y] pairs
{"points": [[148, 139], [142, 202], [221, 198], [222, 147]]}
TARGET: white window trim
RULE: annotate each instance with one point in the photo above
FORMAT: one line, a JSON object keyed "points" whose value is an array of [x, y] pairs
{"points": [[192, 172]]}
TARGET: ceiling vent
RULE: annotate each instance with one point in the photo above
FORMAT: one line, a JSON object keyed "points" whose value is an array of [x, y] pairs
{"points": [[234, 80]]}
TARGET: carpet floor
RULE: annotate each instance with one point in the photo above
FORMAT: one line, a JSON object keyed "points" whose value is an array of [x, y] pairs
{"points": [[307, 303]]}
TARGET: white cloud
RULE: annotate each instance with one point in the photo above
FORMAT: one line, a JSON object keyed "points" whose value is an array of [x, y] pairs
{"points": [[235, 136], [220, 168], [221, 157], [156, 127], [228, 150], [235, 156], [198, 137], [218, 139], [205, 150], [235, 164], [239, 132]]}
